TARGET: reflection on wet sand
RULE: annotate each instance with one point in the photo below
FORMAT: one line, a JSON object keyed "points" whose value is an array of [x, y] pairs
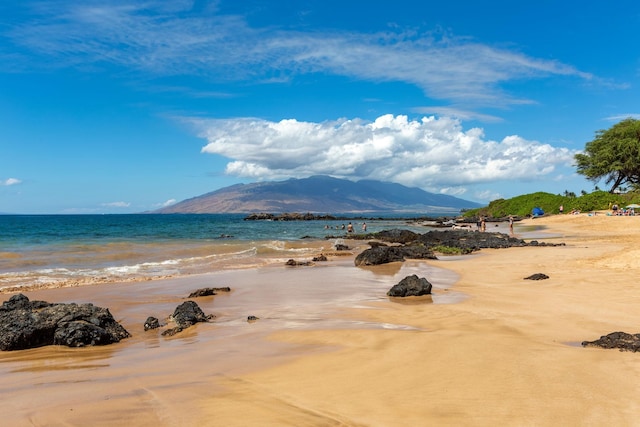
{"points": [[142, 374]]}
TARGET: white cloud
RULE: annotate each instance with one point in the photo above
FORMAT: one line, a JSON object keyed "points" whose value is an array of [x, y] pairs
{"points": [[435, 154], [487, 195], [165, 204], [10, 181], [116, 204], [620, 117], [148, 37], [459, 113]]}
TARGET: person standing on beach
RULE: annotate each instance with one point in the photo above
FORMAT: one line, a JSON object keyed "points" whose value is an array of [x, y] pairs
{"points": [[364, 226], [350, 228], [561, 209], [511, 223], [483, 224]]}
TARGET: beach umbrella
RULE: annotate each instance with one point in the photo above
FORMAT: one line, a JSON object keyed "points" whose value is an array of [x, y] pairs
{"points": [[633, 206]]}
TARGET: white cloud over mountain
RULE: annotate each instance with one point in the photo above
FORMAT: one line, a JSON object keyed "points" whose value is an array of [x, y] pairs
{"points": [[435, 154]]}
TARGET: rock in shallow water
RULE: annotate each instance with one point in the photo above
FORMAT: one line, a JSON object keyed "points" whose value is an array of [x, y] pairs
{"points": [[187, 314], [411, 286]]}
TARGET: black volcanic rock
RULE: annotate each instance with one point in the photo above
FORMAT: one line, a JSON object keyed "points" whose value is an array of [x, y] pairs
{"points": [[28, 324], [317, 194], [396, 236], [411, 286], [205, 292], [537, 276], [469, 241], [620, 340], [151, 323], [385, 254], [185, 315], [379, 255]]}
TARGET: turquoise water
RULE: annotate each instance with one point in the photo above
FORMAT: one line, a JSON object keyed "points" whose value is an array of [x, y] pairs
{"points": [[62, 249]]}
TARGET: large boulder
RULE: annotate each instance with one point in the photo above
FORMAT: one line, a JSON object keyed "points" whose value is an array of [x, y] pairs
{"points": [[28, 324], [385, 254], [379, 255], [411, 286]]}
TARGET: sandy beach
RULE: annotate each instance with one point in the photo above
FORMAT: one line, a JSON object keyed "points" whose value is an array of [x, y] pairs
{"points": [[489, 348]]}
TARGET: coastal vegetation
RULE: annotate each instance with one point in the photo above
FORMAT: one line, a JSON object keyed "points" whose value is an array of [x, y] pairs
{"points": [[550, 203], [448, 250], [614, 155]]}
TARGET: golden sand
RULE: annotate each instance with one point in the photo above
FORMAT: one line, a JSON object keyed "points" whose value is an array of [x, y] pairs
{"points": [[502, 351]]}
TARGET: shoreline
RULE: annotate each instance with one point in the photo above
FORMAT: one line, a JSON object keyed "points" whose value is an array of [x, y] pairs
{"points": [[506, 353]]}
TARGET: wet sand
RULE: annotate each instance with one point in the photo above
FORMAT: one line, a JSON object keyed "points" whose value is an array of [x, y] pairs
{"points": [[489, 348]]}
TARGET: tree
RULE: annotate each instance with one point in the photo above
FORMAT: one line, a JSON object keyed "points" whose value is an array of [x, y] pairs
{"points": [[614, 155]]}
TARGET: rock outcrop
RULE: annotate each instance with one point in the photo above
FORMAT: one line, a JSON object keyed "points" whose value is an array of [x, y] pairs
{"points": [[420, 246], [385, 254], [288, 216], [28, 324], [620, 340]]}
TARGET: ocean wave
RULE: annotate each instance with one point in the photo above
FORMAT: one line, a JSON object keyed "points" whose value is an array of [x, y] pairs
{"points": [[278, 247], [223, 258]]}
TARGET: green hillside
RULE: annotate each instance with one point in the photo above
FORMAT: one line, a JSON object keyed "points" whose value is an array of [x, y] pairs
{"points": [[550, 203]]}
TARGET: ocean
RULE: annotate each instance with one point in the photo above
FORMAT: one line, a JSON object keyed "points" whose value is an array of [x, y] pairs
{"points": [[56, 250]]}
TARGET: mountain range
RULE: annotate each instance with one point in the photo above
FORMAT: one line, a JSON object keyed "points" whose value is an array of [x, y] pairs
{"points": [[319, 194]]}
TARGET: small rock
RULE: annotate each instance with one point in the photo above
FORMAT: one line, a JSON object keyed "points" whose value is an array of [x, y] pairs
{"points": [[537, 276], [204, 292], [294, 263], [151, 323]]}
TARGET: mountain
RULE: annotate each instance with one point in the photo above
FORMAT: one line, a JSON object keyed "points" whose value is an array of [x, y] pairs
{"points": [[319, 194]]}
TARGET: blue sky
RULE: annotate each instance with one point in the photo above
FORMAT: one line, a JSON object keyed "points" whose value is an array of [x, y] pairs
{"points": [[125, 106]]}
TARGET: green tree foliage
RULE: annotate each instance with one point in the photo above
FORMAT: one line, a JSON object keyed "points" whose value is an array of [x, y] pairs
{"points": [[614, 155], [550, 203]]}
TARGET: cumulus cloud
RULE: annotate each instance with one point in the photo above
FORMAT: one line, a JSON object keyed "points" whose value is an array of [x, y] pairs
{"points": [[10, 181], [435, 154], [153, 39]]}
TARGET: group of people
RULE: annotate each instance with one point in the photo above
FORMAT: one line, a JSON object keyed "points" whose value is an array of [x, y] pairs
{"points": [[348, 227], [616, 210]]}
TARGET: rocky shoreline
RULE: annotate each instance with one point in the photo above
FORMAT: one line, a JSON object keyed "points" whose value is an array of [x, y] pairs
{"points": [[29, 324], [295, 216]]}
